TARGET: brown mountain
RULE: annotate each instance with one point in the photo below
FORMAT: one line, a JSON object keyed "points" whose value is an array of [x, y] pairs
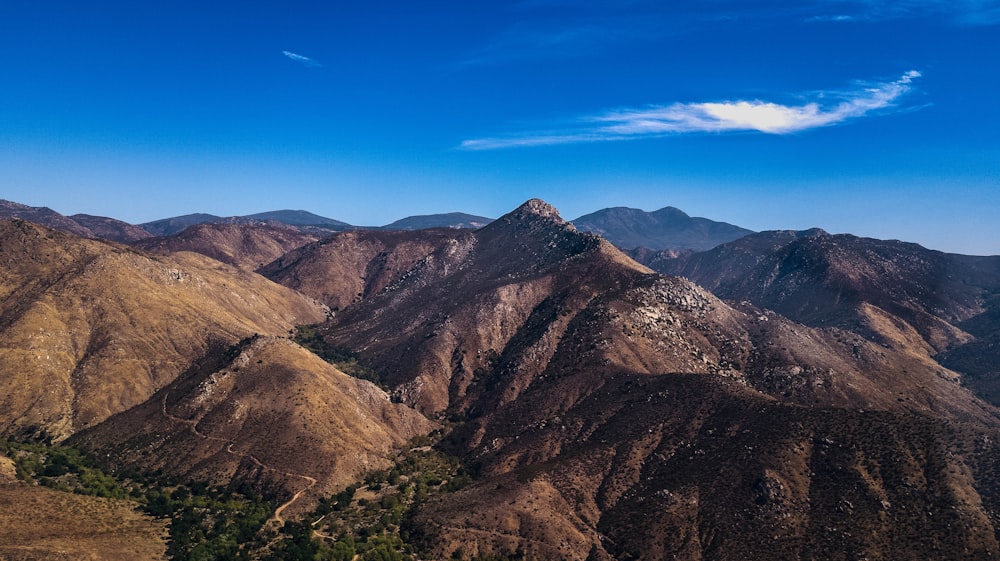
{"points": [[301, 220], [85, 225], [265, 412], [89, 328], [349, 266], [609, 412], [895, 293], [105, 228], [244, 246], [477, 303], [616, 413]]}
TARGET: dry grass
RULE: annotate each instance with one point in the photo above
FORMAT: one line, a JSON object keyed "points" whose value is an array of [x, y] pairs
{"points": [[42, 524]]}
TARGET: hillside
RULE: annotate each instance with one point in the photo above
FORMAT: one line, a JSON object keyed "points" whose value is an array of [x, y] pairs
{"points": [[247, 247], [89, 329], [85, 225], [110, 229], [40, 523], [895, 293], [350, 266], [265, 413], [668, 228]]}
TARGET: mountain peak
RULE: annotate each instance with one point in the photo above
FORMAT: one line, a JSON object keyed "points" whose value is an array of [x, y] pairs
{"points": [[671, 212], [539, 208]]}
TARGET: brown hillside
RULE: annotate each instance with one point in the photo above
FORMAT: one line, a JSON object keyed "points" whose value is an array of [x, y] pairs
{"points": [[41, 523], [241, 245], [110, 229], [88, 328], [849, 282], [347, 267], [701, 467], [266, 412]]}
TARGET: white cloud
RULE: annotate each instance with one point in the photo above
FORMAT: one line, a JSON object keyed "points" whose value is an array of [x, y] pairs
{"points": [[301, 59], [713, 117], [963, 12]]}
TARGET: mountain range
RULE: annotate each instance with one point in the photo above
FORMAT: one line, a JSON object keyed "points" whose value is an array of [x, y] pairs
{"points": [[774, 395], [628, 228]]}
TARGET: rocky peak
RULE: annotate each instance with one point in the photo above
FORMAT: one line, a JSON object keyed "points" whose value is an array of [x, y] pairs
{"points": [[534, 209]]}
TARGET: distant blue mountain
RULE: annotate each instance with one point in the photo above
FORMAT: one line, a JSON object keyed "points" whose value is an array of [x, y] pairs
{"points": [[447, 220], [667, 228]]}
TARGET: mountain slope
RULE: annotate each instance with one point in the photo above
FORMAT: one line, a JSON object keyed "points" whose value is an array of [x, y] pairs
{"points": [[41, 523], [110, 229], [247, 247], [89, 329], [349, 266], [84, 225], [667, 228], [895, 293], [266, 413]]}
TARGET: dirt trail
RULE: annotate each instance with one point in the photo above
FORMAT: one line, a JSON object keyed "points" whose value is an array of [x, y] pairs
{"points": [[193, 425]]}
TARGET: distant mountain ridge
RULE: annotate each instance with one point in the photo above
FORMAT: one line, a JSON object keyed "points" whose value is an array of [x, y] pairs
{"points": [[299, 219], [629, 229], [84, 225], [667, 228], [446, 220]]}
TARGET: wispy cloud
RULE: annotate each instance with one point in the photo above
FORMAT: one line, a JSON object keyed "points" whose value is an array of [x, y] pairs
{"points": [[962, 12], [303, 60], [567, 41], [840, 18], [713, 117]]}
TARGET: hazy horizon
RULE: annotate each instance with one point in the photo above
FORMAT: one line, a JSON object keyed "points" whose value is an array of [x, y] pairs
{"points": [[867, 117]]}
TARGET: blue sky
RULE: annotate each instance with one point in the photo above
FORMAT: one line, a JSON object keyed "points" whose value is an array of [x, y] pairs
{"points": [[871, 117]]}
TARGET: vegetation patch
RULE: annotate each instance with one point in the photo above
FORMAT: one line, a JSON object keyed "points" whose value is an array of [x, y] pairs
{"points": [[346, 360]]}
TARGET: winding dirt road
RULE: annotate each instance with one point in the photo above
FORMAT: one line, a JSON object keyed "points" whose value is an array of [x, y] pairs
{"points": [[192, 424]]}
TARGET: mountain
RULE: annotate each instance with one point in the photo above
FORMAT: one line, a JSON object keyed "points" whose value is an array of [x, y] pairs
{"points": [[266, 413], [474, 294], [301, 220], [80, 224], [614, 413], [173, 225], [242, 245], [89, 328], [350, 266], [897, 294], [599, 409], [447, 220], [110, 229], [667, 228], [847, 281]]}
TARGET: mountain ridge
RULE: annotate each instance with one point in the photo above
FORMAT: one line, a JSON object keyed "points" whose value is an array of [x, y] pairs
{"points": [[668, 228]]}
